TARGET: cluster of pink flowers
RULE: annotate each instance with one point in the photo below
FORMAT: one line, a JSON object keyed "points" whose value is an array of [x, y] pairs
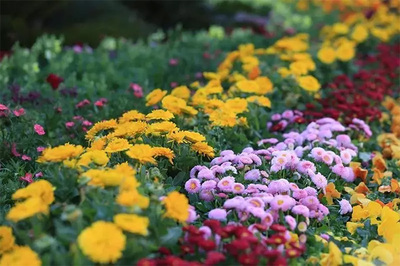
{"points": [[280, 122], [285, 177]]}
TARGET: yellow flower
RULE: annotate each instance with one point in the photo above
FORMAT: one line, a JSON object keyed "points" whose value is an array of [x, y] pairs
{"points": [[327, 55], [99, 126], [132, 223], [143, 153], [132, 115], [248, 86], [7, 239], [333, 258], [340, 28], [98, 144], [155, 96], [182, 92], [177, 206], [265, 85], [128, 129], [117, 144], [359, 213], [360, 33], [298, 68], [193, 136], [236, 105], [260, 100], [161, 127], [352, 227], [60, 153], [309, 83], [346, 51], [102, 242], [21, 255], [331, 192], [26, 209], [160, 115], [132, 198], [41, 189], [204, 149], [96, 156], [165, 152]]}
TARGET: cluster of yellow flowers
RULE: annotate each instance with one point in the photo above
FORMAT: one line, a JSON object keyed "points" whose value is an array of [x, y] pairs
{"points": [[345, 6], [222, 107], [340, 39]]}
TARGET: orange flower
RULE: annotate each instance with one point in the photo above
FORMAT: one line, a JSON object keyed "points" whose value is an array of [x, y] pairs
{"points": [[254, 73], [379, 162], [362, 188], [358, 171], [378, 175], [394, 184], [331, 192]]}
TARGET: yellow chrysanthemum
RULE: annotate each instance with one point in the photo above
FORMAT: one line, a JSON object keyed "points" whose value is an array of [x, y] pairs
{"points": [[94, 156], [327, 55], [26, 209], [132, 198], [60, 153], [143, 153], [7, 239], [102, 242], [161, 127], [165, 152], [132, 115], [117, 145], [181, 92], [132, 223], [99, 126], [21, 255], [177, 206], [203, 148], [155, 96], [41, 189], [260, 100], [309, 83], [160, 115]]}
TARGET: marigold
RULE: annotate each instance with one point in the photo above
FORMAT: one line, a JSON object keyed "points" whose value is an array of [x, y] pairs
{"points": [[26, 209], [177, 206], [155, 96], [102, 242], [327, 55], [132, 198], [181, 92], [165, 152], [161, 127], [41, 189], [60, 153], [132, 223], [132, 115], [7, 239], [260, 100], [98, 157], [21, 255], [99, 126]]}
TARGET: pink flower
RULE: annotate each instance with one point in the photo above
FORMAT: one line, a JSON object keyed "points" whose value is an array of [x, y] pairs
{"points": [[317, 153], [137, 90], [267, 220], [327, 158], [319, 180], [82, 103], [345, 207], [226, 184], [19, 112], [299, 194], [301, 210], [69, 124], [234, 203], [208, 185], [101, 102], [345, 156], [174, 84], [39, 129], [238, 188], [305, 166], [311, 191], [77, 117], [282, 202], [87, 123], [218, 214], [291, 222], [311, 202], [192, 185], [27, 178], [40, 174], [206, 195], [206, 174], [3, 110], [14, 150], [173, 62], [192, 215], [253, 175], [26, 158], [40, 149]]}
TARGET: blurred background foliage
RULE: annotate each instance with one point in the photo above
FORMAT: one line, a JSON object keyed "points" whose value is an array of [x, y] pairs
{"points": [[88, 21]]}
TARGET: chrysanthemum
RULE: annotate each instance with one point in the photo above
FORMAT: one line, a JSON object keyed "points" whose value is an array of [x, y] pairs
{"points": [[102, 242], [177, 206], [282, 202], [99, 126], [193, 185], [60, 153], [165, 152], [203, 148], [7, 239], [132, 223], [155, 96], [21, 255], [143, 153], [117, 145], [160, 115], [217, 214], [132, 115], [226, 183], [301, 210]]}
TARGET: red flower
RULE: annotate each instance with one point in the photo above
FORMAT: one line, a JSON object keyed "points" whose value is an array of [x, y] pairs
{"points": [[54, 80], [164, 251], [213, 224], [248, 259], [207, 244], [278, 228], [276, 239], [280, 261], [214, 257], [293, 253], [146, 262], [186, 249]]}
